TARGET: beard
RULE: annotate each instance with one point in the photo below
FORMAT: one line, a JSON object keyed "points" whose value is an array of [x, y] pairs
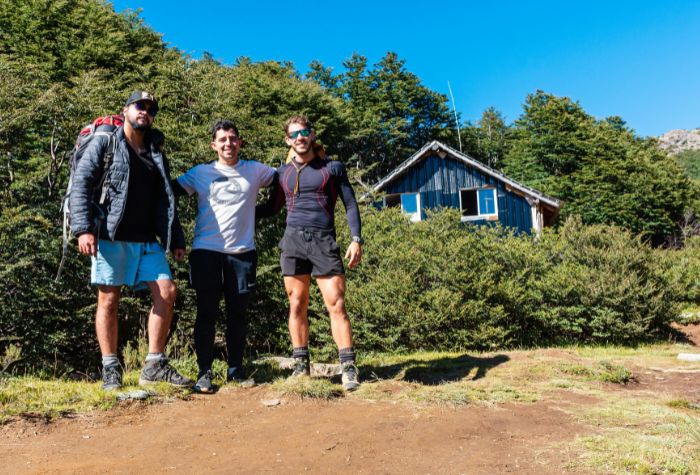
{"points": [[136, 125], [303, 148]]}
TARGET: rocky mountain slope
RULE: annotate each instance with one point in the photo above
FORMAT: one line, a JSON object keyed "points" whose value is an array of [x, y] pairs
{"points": [[677, 141]]}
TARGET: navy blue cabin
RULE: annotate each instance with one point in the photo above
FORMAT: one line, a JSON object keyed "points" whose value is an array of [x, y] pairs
{"points": [[438, 176]]}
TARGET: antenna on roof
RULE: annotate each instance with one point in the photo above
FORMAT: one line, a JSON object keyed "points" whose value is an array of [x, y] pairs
{"points": [[454, 109]]}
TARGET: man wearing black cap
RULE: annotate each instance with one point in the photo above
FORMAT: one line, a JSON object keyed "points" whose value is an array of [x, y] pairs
{"points": [[122, 234]]}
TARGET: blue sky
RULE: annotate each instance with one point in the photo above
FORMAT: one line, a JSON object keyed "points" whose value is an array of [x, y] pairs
{"points": [[639, 60]]}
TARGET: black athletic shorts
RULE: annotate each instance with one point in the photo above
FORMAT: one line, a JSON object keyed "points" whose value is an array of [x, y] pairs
{"points": [[310, 251], [235, 273]]}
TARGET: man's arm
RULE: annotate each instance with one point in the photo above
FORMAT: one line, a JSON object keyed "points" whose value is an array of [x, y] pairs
{"points": [[85, 178], [347, 195], [352, 214], [178, 188], [274, 202]]}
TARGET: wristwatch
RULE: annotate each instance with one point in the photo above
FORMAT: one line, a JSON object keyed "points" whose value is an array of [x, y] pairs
{"points": [[358, 240]]}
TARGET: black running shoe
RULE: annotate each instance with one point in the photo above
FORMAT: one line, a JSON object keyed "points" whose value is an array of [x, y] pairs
{"points": [[302, 368], [204, 384], [160, 371], [111, 377], [236, 374], [351, 377]]}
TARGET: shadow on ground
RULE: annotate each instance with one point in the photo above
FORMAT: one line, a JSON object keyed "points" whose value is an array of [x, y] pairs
{"points": [[434, 372]]}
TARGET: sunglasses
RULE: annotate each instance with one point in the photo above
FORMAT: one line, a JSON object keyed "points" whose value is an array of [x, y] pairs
{"points": [[302, 132], [146, 106]]}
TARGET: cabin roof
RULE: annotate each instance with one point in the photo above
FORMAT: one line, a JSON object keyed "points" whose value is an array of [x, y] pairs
{"points": [[437, 147]]}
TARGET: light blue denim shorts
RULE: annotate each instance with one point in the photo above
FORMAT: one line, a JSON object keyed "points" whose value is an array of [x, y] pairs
{"points": [[129, 263]]}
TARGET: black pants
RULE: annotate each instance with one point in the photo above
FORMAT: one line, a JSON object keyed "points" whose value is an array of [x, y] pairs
{"points": [[211, 275]]}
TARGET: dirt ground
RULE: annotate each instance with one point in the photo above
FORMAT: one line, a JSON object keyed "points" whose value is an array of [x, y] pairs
{"points": [[233, 432]]}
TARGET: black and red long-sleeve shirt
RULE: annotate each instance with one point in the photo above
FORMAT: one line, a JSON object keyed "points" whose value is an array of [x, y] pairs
{"points": [[310, 192]]}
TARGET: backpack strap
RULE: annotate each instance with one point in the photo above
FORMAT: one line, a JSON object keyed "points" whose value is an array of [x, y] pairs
{"points": [[107, 163]]}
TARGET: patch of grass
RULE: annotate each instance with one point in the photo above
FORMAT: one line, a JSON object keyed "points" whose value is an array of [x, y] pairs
{"points": [[613, 373], [50, 398], [318, 388], [46, 397], [678, 403], [452, 379], [604, 371], [638, 436], [642, 355], [449, 394], [683, 404], [576, 369], [616, 452]]}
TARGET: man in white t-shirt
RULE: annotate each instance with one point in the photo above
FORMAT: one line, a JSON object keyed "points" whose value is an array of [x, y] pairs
{"points": [[223, 257]]}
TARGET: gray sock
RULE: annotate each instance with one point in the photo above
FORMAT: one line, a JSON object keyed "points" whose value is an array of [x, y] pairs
{"points": [[347, 355], [301, 352], [110, 360], [155, 356]]}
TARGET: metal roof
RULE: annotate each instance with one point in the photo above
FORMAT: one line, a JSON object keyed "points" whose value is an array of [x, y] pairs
{"points": [[436, 146]]}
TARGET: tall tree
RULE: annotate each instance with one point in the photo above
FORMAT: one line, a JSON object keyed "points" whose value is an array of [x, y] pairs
{"points": [[491, 137], [601, 170], [390, 112]]}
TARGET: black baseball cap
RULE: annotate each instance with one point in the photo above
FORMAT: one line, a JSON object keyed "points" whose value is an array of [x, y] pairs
{"points": [[137, 96]]}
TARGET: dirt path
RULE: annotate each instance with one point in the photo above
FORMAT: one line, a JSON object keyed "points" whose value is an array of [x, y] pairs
{"points": [[233, 432]]}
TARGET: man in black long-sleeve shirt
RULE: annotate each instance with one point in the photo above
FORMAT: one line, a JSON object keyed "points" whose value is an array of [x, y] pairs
{"points": [[311, 185]]}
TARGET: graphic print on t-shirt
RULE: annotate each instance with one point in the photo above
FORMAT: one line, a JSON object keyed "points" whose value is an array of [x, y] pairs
{"points": [[225, 191], [226, 203]]}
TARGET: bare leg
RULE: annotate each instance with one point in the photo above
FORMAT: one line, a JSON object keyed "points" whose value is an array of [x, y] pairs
{"points": [[164, 293], [333, 290], [106, 318], [297, 287]]}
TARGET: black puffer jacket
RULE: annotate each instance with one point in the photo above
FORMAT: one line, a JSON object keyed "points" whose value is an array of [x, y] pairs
{"points": [[87, 175]]}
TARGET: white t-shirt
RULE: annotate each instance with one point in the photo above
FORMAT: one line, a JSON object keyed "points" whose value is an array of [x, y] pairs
{"points": [[226, 197]]}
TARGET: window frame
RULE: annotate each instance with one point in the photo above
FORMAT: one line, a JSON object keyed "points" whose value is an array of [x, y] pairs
{"points": [[480, 216], [414, 216]]}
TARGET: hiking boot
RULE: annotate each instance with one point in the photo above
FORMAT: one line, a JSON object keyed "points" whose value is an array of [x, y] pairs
{"points": [[160, 371], [236, 374], [350, 378], [204, 384], [111, 377], [302, 368]]}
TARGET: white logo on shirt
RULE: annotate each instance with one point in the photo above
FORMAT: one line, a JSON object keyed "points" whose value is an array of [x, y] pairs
{"points": [[225, 191]]}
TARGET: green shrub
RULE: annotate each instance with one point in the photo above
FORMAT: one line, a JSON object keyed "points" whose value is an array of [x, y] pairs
{"points": [[432, 285], [684, 270], [437, 284]]}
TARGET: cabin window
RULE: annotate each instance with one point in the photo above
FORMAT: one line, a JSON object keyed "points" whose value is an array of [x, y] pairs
{"points": [[478, 203], [409, 202]]}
